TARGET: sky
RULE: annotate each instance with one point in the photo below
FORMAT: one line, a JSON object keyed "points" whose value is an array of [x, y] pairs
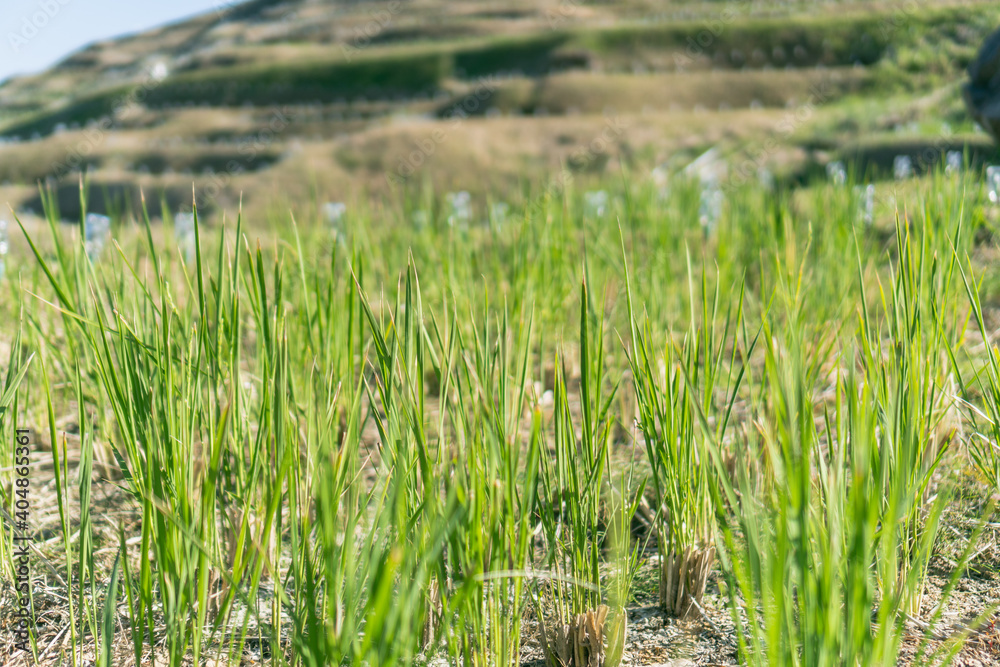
{"points": [[35, 34]]}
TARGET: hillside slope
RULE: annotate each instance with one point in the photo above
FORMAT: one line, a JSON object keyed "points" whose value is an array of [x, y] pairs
{"points": [[302, 98]]}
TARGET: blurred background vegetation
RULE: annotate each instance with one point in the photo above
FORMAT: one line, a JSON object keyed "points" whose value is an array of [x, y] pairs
{"points": [[292, 103]]}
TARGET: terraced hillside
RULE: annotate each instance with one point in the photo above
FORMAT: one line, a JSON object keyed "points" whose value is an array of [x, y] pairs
{"points": [[304, 100]]}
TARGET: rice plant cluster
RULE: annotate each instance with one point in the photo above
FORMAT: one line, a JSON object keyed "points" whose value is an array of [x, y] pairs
{"points": [[363, 441]]}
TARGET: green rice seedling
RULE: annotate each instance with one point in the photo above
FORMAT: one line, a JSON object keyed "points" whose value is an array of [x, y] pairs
{"points": [[18, 365], [659, 231], [412, 466], [144, 377], [130, 597], [474, 593], [578, 626], [623, 554], [153, 377], [837, 235], [740, 250], [330, 596], [904, 356], [480, 376], [382, 587], [365, 569], [16, 500], [827, 564], [333, 546], [979, 387], [85, 562], [108, 616], [496, 466], [364, 587], [801, 582], [669, 397], [61, 475]]}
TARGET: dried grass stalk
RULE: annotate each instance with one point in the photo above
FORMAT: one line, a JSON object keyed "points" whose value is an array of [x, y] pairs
{"points": [[435, 611], [683, 577], [585, 640]]}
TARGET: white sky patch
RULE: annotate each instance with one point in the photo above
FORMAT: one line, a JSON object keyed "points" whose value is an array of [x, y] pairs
{"points": [[35, 34]]}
